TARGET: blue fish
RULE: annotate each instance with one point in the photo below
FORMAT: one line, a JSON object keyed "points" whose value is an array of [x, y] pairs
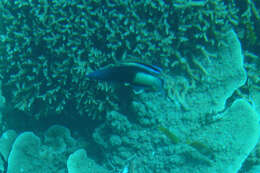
{"points": [[136, 74]]}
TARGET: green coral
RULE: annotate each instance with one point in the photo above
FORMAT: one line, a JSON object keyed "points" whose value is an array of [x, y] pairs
{"points": [[47, 57], [47, 47]]}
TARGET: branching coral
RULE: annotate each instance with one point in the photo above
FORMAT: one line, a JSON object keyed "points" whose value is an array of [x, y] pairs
{"points": [[48, 50], [47, 47]]}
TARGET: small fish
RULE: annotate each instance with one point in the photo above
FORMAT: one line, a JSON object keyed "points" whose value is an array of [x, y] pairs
{"points": [[169, 134], [136, 74]]}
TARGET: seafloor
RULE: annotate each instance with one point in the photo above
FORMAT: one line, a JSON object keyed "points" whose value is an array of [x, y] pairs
{"points": [[204, 118]]}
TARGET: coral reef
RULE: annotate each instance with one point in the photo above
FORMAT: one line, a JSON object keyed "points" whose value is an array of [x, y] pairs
{"points": [[58, 151], [247, 28], [29, 153], [218, 77], [24, 153], [217, 147], [206, 130], [253, 161], [49, 46], [205, 120], [48, 50], [79, 163], [6, 142]]}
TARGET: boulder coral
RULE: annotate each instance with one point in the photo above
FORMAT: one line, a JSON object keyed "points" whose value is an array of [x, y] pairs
{"points": [[29, 153], [226, 148], [78, 162], [6, 142], [24, 154]]}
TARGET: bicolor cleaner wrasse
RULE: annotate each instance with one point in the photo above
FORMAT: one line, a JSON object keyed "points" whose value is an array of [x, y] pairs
{"points": [[138, 75]]}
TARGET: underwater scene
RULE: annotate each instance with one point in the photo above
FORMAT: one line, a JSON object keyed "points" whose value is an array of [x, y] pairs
{"points": [[129, 86]]}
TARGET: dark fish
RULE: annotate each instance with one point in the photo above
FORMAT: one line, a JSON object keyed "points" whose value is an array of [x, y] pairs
{"points": [[136, 74]]}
